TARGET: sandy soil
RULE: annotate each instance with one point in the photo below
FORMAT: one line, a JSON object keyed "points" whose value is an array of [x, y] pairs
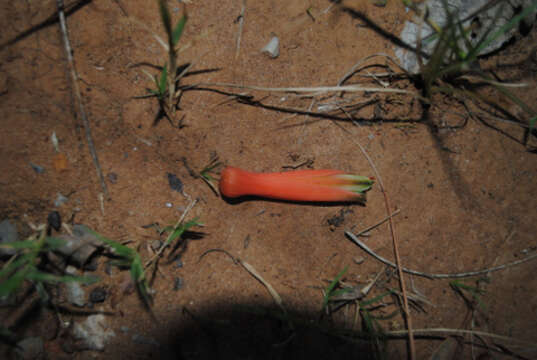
{"points": [[467, 195]]}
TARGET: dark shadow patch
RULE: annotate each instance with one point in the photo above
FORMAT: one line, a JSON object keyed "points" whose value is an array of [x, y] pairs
{"points": [[51, 20]]}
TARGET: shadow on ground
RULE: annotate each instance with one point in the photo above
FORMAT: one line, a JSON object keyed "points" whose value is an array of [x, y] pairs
{"points": [[256, 332]]}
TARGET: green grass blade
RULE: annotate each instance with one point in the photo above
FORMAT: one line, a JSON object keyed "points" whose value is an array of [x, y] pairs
{"points": [[12, 283], [54, 242], [138, 277], [178, 30], [339, 292], [330, 289], [166, 229], [121, 263], [42, 292], [374, 300], [120, 250], [137, 270], [163, 80], [23, 244], [179, 231], [506, 27], [533, 120], [166, 17], [15, 265], [370, 328]]}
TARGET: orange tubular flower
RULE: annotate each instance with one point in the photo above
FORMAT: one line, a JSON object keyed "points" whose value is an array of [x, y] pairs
{"points": [[300, 185]]}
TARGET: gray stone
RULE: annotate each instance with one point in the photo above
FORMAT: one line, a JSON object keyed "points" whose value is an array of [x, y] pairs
{"points": [[80, 246], [463, 9], [75, 294], [60, 200], [93, 332], [8, 233]]}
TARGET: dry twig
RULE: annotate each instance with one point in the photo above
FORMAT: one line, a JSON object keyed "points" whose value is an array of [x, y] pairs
{"points": [[241, 24], [408, 318], [316, 90], [355, 239], [76, 90], [434, 331]]}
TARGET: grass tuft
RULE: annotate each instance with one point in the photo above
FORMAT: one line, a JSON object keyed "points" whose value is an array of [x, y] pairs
{"points": [[28, 264], [167, 82], [455, 58]]}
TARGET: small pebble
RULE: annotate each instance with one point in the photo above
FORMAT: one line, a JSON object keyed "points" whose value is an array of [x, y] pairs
{"points": [[93, 333], [38, 169], [54, 220], [8, 233], [179, 263], [112, 177], [178, 284], [169, 205], [60, 200], [75, 294], [175, 183], [272, 49], [156, 244], [98, 295]]}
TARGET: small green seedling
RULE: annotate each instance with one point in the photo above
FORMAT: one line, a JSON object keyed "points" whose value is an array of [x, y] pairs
{"points": [[371, 326], [474, 291], [206, 173], [175, 232], [331, 290], [373, 329], [161, 84], [166, 83], [27, 265]]}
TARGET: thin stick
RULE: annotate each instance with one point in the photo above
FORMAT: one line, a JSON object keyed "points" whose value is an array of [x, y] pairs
{"points": [[364, 247], [76, 90], [408, 317], [379, 223], [492, 82], [318, 89], [461, 331], [241, 24], [121, 7], [360, 62], [441, 276], [252, 271], [277, 298]]}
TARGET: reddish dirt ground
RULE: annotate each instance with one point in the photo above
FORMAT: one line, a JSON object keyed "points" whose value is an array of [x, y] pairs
{"points": [[467, 196]]}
